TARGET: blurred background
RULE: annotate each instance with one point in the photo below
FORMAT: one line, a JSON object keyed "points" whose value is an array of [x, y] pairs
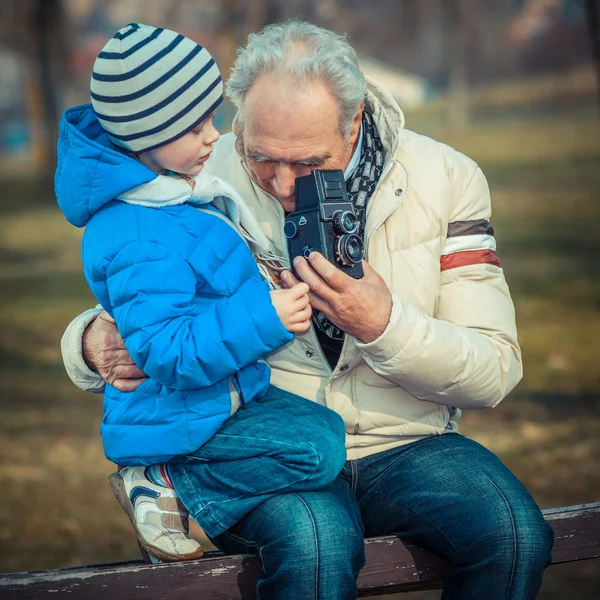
{"points": [[511, 83]]}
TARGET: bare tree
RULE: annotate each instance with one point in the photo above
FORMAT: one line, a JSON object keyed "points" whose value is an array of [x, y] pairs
{"points": [[47, 26]]}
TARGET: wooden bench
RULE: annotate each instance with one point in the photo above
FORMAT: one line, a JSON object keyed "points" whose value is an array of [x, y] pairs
{"points": [[392, 566]]}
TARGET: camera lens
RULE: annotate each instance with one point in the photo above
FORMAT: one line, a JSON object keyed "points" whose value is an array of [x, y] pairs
{"points": [[344, 221], [350, 249]]}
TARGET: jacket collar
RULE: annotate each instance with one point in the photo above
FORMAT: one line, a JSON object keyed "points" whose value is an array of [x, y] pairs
{"points": [[388, 117]]}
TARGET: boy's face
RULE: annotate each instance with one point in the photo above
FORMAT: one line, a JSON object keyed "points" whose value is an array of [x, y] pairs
{"points": [[186, 154]]}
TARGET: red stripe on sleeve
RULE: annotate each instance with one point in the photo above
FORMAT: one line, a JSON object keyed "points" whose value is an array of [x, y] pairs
{"points": [[469, 257]]}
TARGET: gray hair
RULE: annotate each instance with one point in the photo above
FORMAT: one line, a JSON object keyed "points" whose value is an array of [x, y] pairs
{"points": [[324, 54]]}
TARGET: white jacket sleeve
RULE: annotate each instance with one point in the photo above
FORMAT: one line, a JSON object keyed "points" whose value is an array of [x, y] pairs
{"points": [[72, 353], [467, 354]]}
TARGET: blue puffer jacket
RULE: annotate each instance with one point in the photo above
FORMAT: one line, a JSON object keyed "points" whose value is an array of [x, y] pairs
{"points": [[185, 292]]}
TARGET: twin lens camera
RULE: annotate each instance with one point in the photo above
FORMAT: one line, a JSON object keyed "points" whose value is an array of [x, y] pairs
{"points": [[325, 221]]}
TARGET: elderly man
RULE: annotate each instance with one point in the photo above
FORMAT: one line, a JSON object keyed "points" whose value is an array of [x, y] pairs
{"points": [[427, 331]]}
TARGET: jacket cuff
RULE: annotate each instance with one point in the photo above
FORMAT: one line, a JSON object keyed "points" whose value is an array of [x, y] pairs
{"points": [[395, 336], [72, 353]]}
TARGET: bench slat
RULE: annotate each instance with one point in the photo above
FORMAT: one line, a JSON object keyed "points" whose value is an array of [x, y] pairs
{"points": [[392, 566]]}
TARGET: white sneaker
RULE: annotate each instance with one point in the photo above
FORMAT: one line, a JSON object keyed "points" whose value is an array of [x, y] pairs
{"points": [[158, 516]]}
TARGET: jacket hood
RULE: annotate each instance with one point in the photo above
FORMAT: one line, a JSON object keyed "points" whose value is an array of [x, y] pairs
{"points": [[90, 172]]}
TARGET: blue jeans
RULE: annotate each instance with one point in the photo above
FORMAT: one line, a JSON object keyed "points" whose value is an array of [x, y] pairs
{"points": [[446, 493], [279, 443]]}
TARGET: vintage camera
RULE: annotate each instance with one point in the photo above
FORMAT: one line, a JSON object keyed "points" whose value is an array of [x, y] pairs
{"points": [[325, 221]]}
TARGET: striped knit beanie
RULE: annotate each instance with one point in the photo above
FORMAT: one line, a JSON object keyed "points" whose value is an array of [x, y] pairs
{"points": [[151, 86]]}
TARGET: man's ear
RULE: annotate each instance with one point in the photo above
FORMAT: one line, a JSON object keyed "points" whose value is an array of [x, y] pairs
{"points": [[356, 123], [237, 128], [235, 124]]}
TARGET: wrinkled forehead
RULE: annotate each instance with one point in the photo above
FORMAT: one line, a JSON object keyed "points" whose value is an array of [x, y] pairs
{"points": [[277, 108]]}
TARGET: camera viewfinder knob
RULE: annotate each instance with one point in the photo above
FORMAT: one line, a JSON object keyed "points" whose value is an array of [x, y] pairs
{"points": [[290, 229]]}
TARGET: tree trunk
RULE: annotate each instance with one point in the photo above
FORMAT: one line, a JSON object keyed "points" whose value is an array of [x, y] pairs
{"points": [[46, 25], [593, 19]]}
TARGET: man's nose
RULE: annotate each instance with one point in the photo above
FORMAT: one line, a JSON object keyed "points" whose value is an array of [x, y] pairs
{"points": [[284, 182]]}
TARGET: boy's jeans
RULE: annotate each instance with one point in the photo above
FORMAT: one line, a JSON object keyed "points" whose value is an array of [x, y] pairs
{"points": [[279, 443], [446, 493]]}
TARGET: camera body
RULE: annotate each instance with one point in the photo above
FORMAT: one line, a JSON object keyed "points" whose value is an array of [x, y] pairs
{"points": [[325, 221]]}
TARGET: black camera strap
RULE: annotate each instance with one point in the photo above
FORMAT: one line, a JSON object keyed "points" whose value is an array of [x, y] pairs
{"points": [[361, 184]]}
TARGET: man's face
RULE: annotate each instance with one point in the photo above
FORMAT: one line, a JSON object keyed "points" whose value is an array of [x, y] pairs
{"points": [[289, 132]]}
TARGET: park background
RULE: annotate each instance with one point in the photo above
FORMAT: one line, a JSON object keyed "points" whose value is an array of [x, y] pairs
{"points": [[512, 83]]}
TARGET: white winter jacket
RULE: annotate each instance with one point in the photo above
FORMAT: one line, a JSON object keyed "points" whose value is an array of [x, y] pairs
{"points": [[451, 341]]}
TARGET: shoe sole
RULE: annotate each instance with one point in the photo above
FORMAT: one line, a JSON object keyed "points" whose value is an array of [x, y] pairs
{"points": [[118, 487], [149, 559]]}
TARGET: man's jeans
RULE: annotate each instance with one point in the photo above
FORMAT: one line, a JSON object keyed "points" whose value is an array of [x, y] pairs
{"points": [[277, 443], [446, 493]]}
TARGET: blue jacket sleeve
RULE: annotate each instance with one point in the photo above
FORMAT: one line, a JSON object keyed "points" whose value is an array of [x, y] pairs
{"points": [[175, 335]]}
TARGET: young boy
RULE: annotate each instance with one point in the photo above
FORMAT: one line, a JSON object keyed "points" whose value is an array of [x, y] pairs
{"points": [[179, 278]]}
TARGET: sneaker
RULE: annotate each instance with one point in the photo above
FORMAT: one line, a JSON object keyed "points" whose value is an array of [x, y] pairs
{"points": [[159, 518]]}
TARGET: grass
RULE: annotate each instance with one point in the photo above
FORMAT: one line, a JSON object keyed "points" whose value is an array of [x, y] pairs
{"points": [[57, 506]]}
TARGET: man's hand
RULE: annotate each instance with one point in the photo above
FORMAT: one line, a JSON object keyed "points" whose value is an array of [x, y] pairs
{"points": [[360, 307], [105, 353], [292, 307]]}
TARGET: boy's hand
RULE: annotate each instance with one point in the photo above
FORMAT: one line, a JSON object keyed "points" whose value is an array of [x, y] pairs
{"points": [[292, 307]]}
